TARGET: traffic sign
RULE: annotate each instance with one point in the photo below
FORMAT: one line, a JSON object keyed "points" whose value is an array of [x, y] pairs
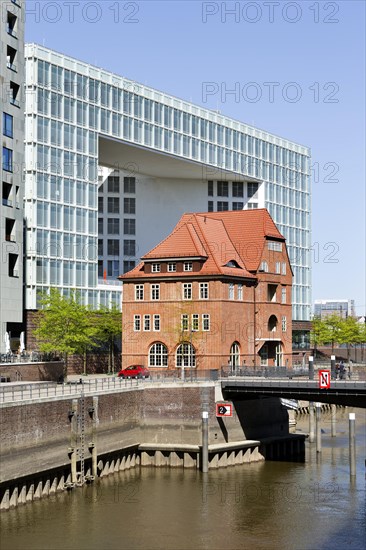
{"points": [[224, 409], [324, 379]]}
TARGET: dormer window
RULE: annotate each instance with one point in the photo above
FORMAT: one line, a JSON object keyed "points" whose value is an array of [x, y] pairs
{"points": [[172, 267], [187, 266], [155, 268], [232, 263], [275, 246]]}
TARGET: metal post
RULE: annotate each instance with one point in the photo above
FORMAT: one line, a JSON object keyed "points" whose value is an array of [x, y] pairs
{"points": [[332, 367], [333, 420], [318, 431], [352, 444], [205, 442], [311, 367], [311, 422]]}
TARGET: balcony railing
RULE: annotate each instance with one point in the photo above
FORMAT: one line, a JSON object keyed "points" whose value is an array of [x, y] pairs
{"points": [[11, 66], [14, 102], [12, 32]]}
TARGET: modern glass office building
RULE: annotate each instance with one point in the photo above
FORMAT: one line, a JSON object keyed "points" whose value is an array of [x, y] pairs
{"points": [[11, 167], [112, 164]]}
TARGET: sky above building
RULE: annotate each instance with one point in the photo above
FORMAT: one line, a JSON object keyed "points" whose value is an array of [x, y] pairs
{"points": [[296, 69]]}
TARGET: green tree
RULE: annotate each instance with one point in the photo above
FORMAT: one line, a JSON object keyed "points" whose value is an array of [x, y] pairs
{"points": [[108, 325], [350, 333], [64, 326], [333, 325], [318, 334]]}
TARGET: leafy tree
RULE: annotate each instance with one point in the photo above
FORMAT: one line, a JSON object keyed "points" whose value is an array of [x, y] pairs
{"points": [[351, 333], [332, 325], [64, 326], [318, 334], [108, 325]]}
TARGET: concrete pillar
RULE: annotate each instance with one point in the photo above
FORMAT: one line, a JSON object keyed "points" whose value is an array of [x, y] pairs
{"points": [[53, 487], [133, 460], [318, 429], [332, 367], [14, 498], [246, 457], [311, 367], [30, 493], [46, 488], [61, 484], [333, 420], [22, 497], [174, 460], [239, 457], [5, 501], [214, 462], [189, 461], [311, 422], [204, 465], [73, 459], [352, 444], [159, 458], [222, 461], [38, 491]]}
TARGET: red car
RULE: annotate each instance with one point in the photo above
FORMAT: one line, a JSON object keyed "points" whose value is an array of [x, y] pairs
{"points": [[134, 371]]}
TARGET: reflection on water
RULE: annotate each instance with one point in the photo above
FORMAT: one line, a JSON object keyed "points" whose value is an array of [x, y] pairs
{"points": [[259, 505]]}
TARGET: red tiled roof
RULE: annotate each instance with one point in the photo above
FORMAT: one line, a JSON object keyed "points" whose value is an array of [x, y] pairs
{"points": [[217, 237]]}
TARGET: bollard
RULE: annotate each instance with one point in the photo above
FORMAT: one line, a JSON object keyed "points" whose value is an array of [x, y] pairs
{"points": [[332, 367], [311, 367], [205, 442], [352, 444], [311, 422], [333, 420], [318, 432]]}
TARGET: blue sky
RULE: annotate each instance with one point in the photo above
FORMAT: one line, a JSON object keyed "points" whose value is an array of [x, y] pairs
{"points": [[313, 51]]}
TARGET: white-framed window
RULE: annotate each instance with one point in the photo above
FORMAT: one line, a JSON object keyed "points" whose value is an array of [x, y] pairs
{"points": [[187, 291], [139, 292], [155, 268], [185, 355], [283, 268], [156, 323], [184, 321], [155, 292], [231, 291], [235, 354], [137, 323], [195, 321], [240, 291], [187, 266], [203, 291], [158, 355], [284, 323], [278, 267], [205, 322], [274, 245], [147, 323], [263, 266], [172, 267], [284, 295]]}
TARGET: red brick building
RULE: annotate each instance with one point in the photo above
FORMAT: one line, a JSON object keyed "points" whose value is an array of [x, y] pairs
{"points": [[216, 291]]}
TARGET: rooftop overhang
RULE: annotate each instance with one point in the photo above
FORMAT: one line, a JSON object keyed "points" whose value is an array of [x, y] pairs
{"points": [[121, 155]]}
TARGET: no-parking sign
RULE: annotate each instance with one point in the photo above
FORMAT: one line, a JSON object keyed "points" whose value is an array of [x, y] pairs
{"points": [[324, 379]]}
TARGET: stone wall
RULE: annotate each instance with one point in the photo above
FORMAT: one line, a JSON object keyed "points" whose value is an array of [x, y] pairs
{"points": [[32, 372], [36, 436]]}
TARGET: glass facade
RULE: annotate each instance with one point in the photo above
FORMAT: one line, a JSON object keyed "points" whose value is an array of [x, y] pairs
{"points": [[75, 103]]}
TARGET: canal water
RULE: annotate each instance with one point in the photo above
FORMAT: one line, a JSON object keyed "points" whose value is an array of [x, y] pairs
{"points": [[311, 505]]}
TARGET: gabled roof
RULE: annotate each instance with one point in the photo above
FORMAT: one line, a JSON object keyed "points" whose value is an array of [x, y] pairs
{"points": [[216, 238]]}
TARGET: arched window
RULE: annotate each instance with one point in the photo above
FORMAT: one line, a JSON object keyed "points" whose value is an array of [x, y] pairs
{"points": [[272, 323], [158, 355], [186, 355], [235, 355]]}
